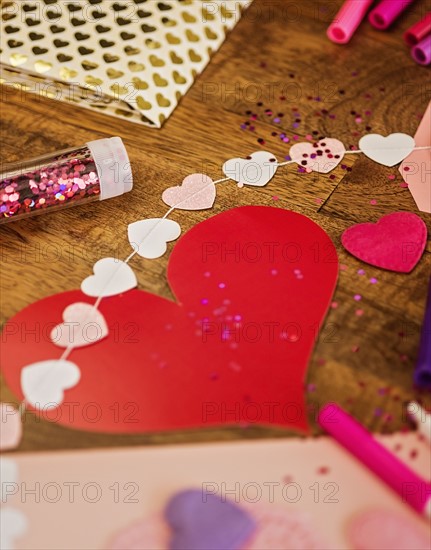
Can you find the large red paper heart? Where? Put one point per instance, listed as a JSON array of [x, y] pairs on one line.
[[396, 242], [252, 284]]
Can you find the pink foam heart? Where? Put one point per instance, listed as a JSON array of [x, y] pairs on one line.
[[197, 192], [11, 427], [396, 242], [321, 156]]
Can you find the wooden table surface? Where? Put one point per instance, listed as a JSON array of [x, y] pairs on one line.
[[279, 49]]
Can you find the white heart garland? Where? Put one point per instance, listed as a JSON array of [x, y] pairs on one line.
[[44, 383]]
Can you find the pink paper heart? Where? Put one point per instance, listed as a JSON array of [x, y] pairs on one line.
[[321, 156], [83, 325], [197, 192], [396, 242], [11, 427]]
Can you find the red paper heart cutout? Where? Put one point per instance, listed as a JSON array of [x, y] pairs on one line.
[[253, 285], [396, 242]]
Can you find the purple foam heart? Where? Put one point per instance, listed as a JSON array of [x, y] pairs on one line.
[[206, 522]]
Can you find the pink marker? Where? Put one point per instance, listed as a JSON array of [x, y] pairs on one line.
[[385, 13], [418, 31], [347, 20], [356, 439], [421, 53]]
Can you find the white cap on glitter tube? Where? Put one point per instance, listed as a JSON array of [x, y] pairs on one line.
[[113, 166]]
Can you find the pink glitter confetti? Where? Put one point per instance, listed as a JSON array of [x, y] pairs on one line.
[[373, 281], [373, 201], [65, 179], [361, 272], [357, 297], [334, 305], [359, 312]]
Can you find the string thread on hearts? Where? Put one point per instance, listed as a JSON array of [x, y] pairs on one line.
[[263, 167]]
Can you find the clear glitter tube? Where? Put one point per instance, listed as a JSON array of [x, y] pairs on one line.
[[98, 170]]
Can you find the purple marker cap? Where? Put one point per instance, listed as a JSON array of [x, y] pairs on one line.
[[422, 375], [421, 53]]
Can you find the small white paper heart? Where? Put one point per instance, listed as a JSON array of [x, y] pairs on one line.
[[389, 150], [111, 277], [83, 325], [9, 475], [197, 192], [150, 237], [10, 427], [14, 525], [43, 383], [256, 170]]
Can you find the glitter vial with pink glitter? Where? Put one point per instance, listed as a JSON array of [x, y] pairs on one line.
[[98, 170]]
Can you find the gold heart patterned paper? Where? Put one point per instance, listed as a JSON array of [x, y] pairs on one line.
[[133, 59]]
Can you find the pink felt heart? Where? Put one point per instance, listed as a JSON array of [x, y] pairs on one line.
[[396, 242], [197, 192], [11, 427], [321, 156]]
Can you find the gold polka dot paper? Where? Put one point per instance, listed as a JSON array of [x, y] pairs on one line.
[[131, 59]]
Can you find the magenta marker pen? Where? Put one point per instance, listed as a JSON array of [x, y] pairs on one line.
[[98, 170], [347, 431]]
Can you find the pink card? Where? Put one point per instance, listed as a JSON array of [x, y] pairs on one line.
[[416, 168], [301, 494]]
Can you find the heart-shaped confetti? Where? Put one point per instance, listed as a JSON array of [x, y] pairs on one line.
[[83, 325], [321, 156], [197, 192], [396, 242], [111, 277], [207, 522], [149, 238], [43, 383], [389, 150], [256, 170], [11, 427]]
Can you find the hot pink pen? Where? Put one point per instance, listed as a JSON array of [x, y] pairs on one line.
[[360, 442], [347, 20], [385, 13]]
